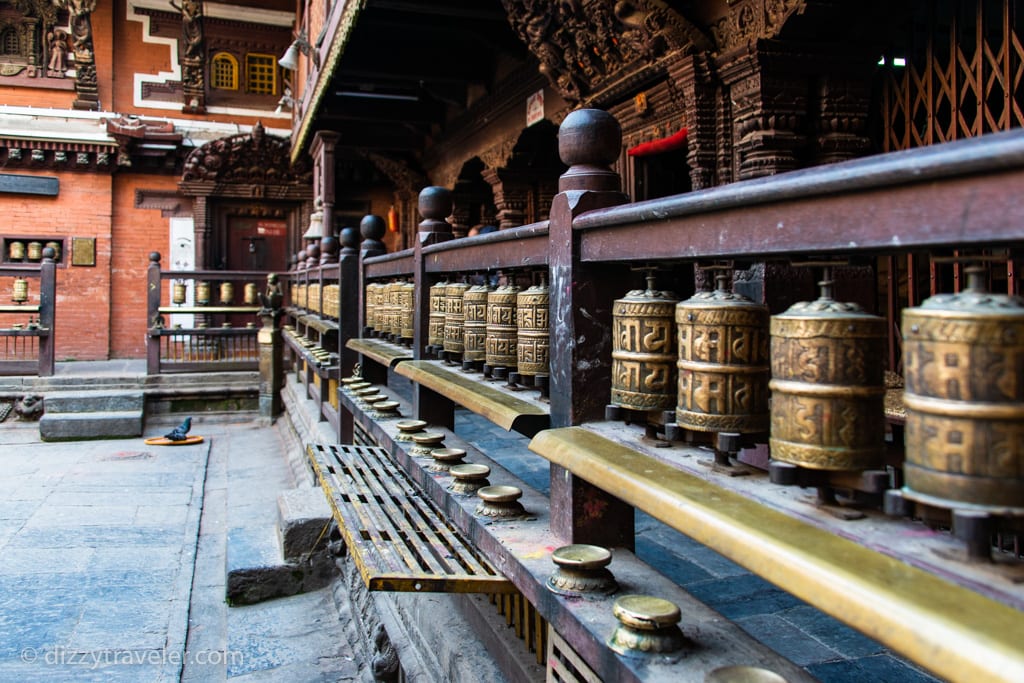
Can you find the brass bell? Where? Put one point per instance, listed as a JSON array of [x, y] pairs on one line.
[[644, 349], [532, 330], [827, 385], [963, 358], [723, 362]]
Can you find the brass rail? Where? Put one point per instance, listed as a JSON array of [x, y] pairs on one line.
[[951, 630], [503, 408]]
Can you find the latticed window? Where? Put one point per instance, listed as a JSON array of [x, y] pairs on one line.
[[957, 74], [261, 74], [9, 42], [224, 72]]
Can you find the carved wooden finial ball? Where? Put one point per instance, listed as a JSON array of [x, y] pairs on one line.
[[590, 137], [328, 244], [313, 250], [49, 253], [435, 202], [154, 257], [372, 227], [349, 238]]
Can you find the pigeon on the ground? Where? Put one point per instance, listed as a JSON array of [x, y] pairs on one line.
[[180, 432]]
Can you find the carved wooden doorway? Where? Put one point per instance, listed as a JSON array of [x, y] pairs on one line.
[[253, 237], [249, 202]]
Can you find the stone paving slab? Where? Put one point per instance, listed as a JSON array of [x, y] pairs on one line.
[[98, 541]]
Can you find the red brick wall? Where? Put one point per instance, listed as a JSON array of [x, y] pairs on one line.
[[80, 209], [137, 232]]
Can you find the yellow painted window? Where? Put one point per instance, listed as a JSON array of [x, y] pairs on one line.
[[224, 72], [261, 74]]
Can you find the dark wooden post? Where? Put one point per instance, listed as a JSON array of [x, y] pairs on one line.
[[349, 325], [271, 351], [589, 140], [435, 204], [47, 304], [153, 293]]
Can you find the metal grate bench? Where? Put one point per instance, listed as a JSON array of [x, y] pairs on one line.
[[398, 540]]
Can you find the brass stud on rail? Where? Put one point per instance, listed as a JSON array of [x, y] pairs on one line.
[[445, 458], [469, 478], [500, 502], [407, 428], [426, 442], [581, 571], [647, 625], [383, 410]]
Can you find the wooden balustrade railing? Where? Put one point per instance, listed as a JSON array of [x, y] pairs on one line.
[[202, 320], [896, 228], [27, 322]]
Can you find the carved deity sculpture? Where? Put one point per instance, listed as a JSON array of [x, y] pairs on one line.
[[58, 46]]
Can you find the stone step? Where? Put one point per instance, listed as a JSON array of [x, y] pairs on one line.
[[90, 425], [303, 517], [257, 571], [93, 401]]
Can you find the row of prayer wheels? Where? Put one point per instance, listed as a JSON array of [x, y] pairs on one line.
[[179, 293], [501, 330], [813, 378]]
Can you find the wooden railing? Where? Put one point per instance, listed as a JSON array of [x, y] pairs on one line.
[[26, 326], [202, 320], [894, 229]]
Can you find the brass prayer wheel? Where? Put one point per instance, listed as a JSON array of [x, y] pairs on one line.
[[644, 350], [249, 294], [16, 251], [533, 333], [502, 330], [963, 358], [406, 313], [56, 249], [723, 362], [435, 321], [202, 292], [19, 295], [178, 293], [373, 306], [454, 318], [227, 293], [828, 385], [392, 308], [35, 251], [474, 325]]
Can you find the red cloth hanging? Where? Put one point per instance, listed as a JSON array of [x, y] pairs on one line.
[[674, 141]]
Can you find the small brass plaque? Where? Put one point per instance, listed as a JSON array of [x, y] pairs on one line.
[[83, 251]]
